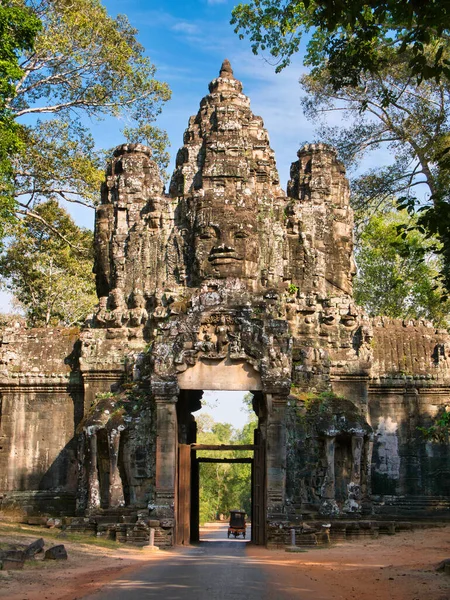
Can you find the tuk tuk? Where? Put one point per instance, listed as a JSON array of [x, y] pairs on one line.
[[237, 524]]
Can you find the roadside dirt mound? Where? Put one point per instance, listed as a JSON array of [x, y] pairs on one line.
[[88, 566], [398, 567]]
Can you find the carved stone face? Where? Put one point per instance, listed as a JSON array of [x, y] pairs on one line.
[[226, 244]]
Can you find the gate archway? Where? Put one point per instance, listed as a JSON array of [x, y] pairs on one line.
[[188, 486], [218, 375]]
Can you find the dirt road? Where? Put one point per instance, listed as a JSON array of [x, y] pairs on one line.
[[399, 567], [389, 568], [217, 569]]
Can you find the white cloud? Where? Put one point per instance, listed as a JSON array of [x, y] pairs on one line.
[[164, 20], [186, 27]]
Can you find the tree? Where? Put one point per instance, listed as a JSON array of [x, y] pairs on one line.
[[51, 276], [358, 36], [84, 66], [396, 276], [223, 486], [18, 28], [439, 431]]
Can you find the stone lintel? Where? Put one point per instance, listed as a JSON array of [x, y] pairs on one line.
[[165, 399], [277, 388], [46, 387], [162, 389], [95, 377], [224, 375]]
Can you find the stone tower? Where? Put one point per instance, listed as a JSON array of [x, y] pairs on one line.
[[320, 216], [227, 183]]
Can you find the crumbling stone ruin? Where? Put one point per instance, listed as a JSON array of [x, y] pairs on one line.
[[226, 283]]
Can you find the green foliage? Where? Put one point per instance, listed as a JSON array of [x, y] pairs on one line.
[[18, 28], [60, 162], [313, 401], [87, 62], [51, 276], [440, 430], [84, 66], [224, 486], [104, 395], [352, 33], [396, 274], [292, 289]]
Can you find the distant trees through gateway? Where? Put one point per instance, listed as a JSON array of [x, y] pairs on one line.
[[225, 486]]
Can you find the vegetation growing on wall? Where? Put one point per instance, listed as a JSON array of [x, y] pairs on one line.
[[439, 431]]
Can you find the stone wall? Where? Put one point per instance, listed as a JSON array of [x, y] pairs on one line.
[[226, 276], [410, 384], [41, 405]]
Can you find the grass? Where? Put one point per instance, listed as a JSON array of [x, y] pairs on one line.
[[54, 534]]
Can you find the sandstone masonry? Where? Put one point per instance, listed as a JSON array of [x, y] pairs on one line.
[[226, 282]]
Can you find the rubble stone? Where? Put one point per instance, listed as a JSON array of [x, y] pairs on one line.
[[56, 553]]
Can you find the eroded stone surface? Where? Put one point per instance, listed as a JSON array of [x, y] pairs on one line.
[[226, 282]]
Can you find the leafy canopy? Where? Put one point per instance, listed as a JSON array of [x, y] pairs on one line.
[[84, 66], [396, 275], [439, 431], [50, 276], [352, 33], [18, 28]]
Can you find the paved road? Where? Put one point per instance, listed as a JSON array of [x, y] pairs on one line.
[[215, 532], [216, 569]]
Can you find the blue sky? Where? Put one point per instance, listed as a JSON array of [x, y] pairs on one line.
[[224, 407]]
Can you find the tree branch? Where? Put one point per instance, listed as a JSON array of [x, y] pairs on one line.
[[28, 212]]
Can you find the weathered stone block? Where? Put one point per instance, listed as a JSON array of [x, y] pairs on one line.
[[34, 548], [56, 553]]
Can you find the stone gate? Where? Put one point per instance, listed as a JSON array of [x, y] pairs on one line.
[[225, 282]]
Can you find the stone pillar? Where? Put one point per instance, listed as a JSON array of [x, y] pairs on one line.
[[366, 471], [276, 456], [93, 500], [329, 506], [357, 449], [353, 502], [166, 455], [82, 485], [328, 488], [116, 497]]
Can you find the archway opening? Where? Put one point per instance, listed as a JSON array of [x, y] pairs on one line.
[[219, 463], [226, 418]]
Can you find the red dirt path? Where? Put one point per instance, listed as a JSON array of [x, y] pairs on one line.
[[400, 567]]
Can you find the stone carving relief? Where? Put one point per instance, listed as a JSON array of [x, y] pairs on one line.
[[227, 270], [226, 243]]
